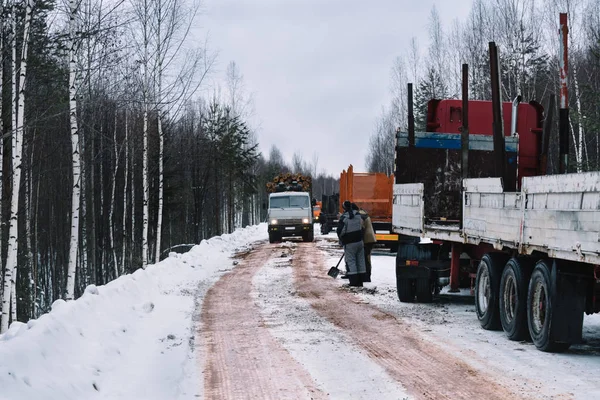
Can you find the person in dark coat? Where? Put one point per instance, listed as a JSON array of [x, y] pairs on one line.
[[350, 231], [369, 239]]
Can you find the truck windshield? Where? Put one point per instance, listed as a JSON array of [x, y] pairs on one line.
[[290, 202]]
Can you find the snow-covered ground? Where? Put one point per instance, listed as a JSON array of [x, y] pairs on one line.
[[130, 339], [134, 338]]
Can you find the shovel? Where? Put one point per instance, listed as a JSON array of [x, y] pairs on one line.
[[334, 271]]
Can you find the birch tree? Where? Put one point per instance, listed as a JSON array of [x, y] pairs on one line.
[[75, 150], [1, 132], [171, 22], [17, 148]]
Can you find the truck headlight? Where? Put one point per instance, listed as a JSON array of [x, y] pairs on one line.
[[273, 222], [305, 220]]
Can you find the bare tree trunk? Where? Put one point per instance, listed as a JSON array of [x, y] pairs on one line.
[[125, 194], [145, 190], [160, 181], [75, 151], [111, 234], [1, 135], [17, 147], [84, 273], [145, 185], [133, 248], [13, 298], [579, 151], [102, 240], [12, 233], [36, 253], [28, 194]]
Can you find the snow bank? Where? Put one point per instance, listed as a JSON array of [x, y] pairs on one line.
[[129, 339]]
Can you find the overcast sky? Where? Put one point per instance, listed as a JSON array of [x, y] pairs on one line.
[[319, 70]]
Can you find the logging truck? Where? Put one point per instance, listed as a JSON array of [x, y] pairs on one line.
[[474, 185], [290, 210]]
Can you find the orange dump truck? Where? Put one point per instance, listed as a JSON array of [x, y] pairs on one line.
[[373, 193]]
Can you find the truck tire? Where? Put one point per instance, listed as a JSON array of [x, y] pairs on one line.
[[424, 290], [308, 236], [405, 289], [272, 237], [540, 308], [487, 286], [514, 286]]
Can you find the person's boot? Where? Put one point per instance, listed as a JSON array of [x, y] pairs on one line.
[[355, 280]]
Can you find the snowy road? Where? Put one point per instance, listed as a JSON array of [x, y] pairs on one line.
[[238, 318], [376, 354]]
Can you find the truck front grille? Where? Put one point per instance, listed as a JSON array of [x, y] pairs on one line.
[[292, 221]]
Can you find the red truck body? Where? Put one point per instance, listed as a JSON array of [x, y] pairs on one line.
[[445, 116]]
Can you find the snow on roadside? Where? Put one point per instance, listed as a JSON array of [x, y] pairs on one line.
[[130, 339], [452, 323], [337, 366]]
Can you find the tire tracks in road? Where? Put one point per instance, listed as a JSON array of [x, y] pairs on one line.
[[425, 369], [243, 360]]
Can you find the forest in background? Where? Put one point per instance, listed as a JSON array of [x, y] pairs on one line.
[[116, 150], [527, 35]]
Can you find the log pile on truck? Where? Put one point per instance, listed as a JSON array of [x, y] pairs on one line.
[[289, 182], [481, 196]]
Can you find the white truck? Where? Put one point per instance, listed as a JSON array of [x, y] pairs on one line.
[[290, 210]]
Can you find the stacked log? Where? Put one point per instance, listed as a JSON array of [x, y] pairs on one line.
[[289, 182]]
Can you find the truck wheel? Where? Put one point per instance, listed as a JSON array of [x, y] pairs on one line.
[[405, 289], [540, 308], [513, 298], [487, 285], [272, 237], [425, 288], [308, 237]]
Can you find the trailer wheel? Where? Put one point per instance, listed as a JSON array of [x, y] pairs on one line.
[[540, 308], [487, 286], [513, 298], [405, 289], [425, 289]]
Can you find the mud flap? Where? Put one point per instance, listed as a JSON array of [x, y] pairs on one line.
[[569, 296]]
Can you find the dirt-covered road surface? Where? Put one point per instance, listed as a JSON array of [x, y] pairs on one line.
[[277, 327]]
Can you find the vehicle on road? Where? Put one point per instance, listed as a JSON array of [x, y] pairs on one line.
[[371, 191], [527, 243], [290, 210]]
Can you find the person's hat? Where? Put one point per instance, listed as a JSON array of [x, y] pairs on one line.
[[347, 205], [354, 206]]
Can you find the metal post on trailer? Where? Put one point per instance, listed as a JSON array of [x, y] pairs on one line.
[[498, 129], [563, 113], [546, 130], [411, 118], [464, 135]]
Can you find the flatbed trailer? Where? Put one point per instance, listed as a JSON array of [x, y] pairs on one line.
[[542, 242]]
